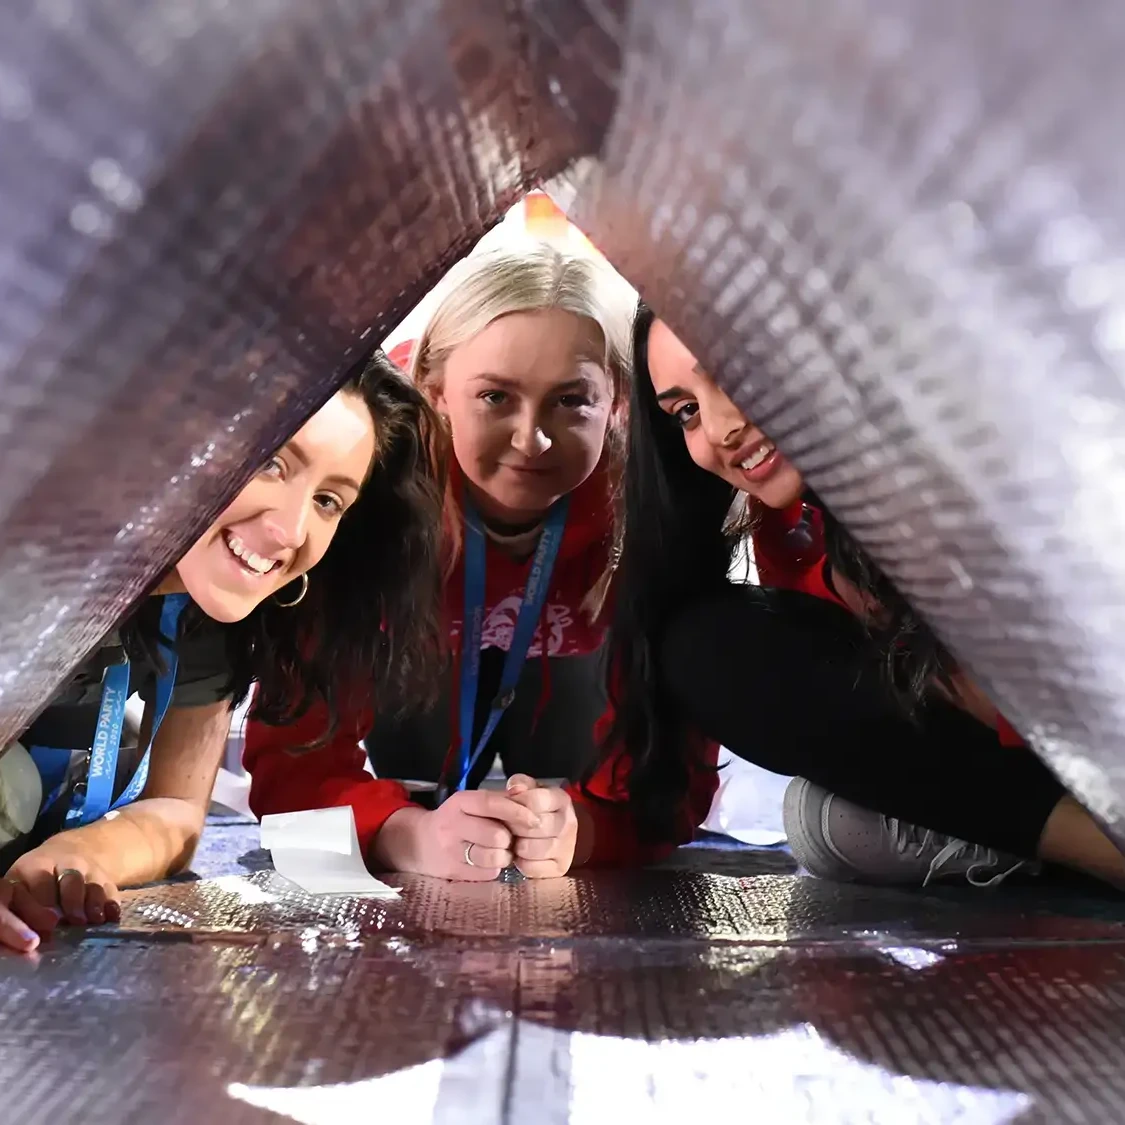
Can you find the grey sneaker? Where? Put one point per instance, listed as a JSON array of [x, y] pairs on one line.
[[834, 839]]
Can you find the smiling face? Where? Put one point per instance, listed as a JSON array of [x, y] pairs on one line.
[[528, 400], [718, 435], [281, 524]]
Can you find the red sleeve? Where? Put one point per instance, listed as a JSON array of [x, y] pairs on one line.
[[617, 842], [282, 780], [778, 559], [1007, 733]]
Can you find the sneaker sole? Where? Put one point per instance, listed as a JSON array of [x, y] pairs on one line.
[[805, 839]]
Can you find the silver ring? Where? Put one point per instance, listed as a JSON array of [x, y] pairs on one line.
[[469, 858], [61, 875]]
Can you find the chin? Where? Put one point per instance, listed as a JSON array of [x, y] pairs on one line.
[[523, 499], [531, 496], [784, 489], [226, 609]]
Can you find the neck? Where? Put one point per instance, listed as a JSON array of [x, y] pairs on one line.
[[169, 584]]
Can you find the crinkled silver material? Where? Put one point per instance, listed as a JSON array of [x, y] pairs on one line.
[[894, 230], [208, 210], [642, 906], [892, 227], [652, 997]]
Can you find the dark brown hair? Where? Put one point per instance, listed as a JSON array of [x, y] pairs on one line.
[[371, 623]]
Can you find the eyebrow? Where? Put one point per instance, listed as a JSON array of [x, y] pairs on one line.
[[673, 392], [579, 383], [338, 478]]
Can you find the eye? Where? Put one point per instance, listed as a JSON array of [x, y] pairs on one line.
[[684, 414], [494, 398], [574, 401], [274, 467], [330, 504]]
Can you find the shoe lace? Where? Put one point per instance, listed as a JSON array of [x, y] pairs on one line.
[[913, 838]]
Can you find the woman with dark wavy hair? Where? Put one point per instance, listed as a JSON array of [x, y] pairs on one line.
[[321, 575], [905, 770]]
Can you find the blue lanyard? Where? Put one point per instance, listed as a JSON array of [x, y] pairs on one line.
[[106, 749], [534, 595]]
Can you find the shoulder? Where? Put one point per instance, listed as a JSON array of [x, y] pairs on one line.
[[203, 666], [202, 643]]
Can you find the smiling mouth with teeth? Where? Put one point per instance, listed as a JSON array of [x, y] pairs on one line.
[[249, 560], [758, 456]]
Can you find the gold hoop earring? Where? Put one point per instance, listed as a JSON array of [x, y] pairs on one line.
[[299, 598]]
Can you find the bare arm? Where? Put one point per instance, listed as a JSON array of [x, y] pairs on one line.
[[157, 834], [154, 837]]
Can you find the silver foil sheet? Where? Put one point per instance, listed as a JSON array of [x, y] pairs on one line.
[[209, 210], [642, 906], [894, 231], [278, 1012]]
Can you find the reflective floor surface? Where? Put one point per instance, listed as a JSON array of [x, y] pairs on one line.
[[720, 987]]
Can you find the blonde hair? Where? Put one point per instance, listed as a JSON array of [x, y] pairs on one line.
[[534, 278], [496, 283]]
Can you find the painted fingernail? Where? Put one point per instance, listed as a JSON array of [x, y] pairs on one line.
[[30, 936]]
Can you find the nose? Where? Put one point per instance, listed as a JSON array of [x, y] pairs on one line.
[[288, 522], [530, 438], [723, 423]]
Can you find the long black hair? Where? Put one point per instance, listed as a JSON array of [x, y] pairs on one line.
[[676, 545], [682, 529], [913, 659], [370, 624]]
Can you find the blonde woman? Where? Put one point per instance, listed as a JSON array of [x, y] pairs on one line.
[[524, 360]]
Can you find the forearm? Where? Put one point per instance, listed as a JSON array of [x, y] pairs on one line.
[[395, 845], [148, 840]]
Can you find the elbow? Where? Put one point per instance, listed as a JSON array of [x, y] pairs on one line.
[[183, 825], [181, 862]]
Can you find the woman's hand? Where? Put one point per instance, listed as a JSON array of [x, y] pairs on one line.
[[468, 837], [546, 852], [22, 919], [62, 877]]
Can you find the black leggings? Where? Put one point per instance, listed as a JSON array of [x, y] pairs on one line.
[[789, 682], [553, 740]]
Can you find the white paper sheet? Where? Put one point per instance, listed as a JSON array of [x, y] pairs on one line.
[[747, 805], [319, 851]]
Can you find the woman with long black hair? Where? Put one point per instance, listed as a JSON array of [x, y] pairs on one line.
[[321, 576], [906, 771]]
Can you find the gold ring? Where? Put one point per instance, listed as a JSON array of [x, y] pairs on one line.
[[469, 858]]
